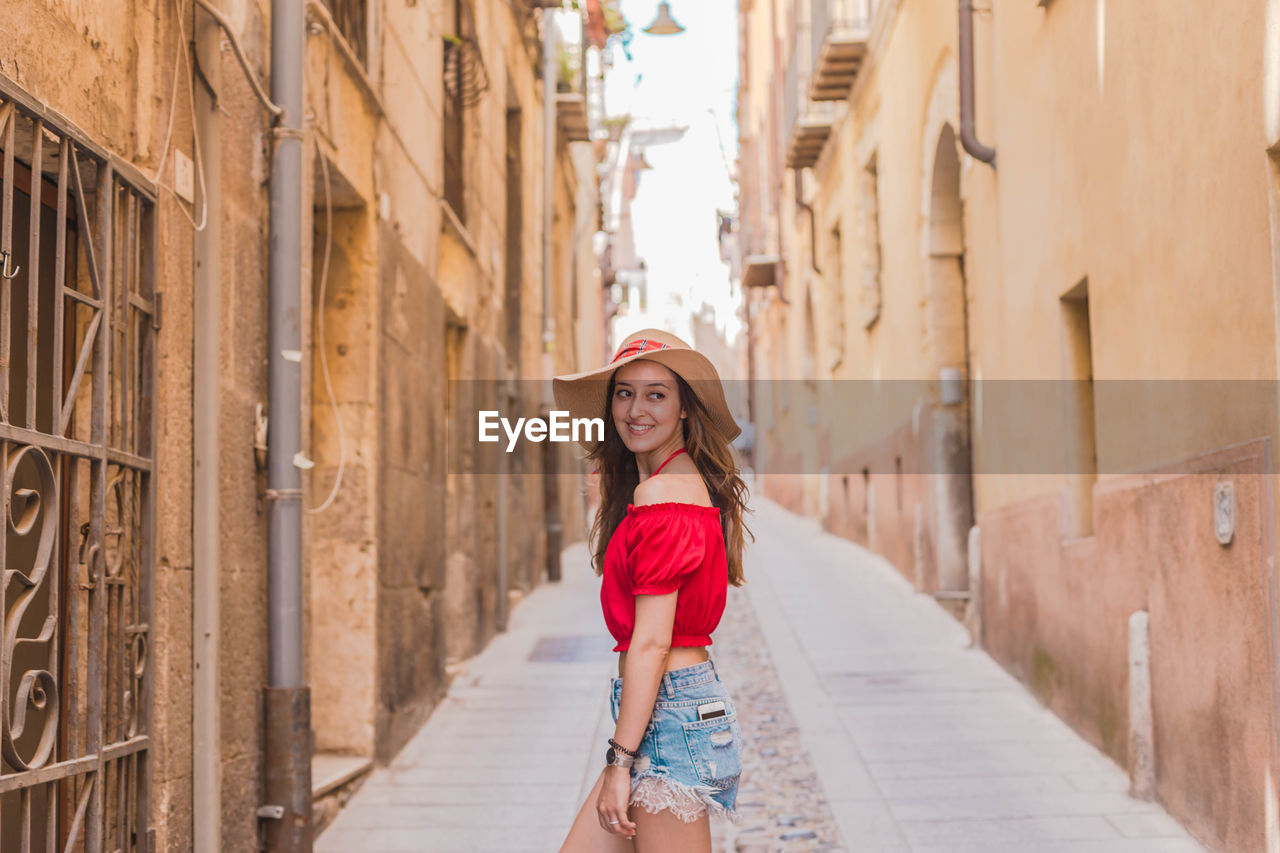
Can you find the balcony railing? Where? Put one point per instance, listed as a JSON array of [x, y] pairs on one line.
[[808, 122], [571, 93], [840, 29]]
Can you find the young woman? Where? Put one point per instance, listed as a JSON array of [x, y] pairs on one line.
[[667, 540]]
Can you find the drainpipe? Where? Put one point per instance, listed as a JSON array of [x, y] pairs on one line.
[[551, 493], [968, 137], [206, 735], [287, 811], [548, 190]]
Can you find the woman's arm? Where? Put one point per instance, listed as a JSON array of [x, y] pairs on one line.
[[642, 673], [646, 661]]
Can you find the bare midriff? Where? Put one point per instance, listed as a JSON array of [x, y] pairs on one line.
[[677, 658]]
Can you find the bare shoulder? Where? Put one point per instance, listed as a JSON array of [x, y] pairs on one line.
[[682, 485]]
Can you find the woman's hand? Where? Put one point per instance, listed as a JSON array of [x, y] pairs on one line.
[[615, 792]]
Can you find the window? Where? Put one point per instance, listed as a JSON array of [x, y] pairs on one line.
[[465, 81], [869, 201], [350, 16], [454, 120], [835, 281], [514, 266], [78, 311]]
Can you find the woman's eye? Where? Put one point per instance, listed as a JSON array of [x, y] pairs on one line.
[[657, 395]]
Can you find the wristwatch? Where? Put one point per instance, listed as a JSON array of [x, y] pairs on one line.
[[613, 758]]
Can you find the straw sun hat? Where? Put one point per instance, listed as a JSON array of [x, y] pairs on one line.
[[583, 395]]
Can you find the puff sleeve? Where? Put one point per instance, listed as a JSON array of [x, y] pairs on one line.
[[664, 547]]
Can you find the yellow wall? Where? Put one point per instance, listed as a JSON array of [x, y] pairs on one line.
[[1143, 171]]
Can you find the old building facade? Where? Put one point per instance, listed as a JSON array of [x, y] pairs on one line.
[[1040, 339], [135, 348]]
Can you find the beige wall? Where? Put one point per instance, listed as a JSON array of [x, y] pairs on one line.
[[402, 566], [120, 99], [1129, 159]]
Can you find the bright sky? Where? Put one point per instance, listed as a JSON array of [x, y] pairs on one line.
[[687, 80]]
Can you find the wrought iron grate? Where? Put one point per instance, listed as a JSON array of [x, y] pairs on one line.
[[77, 321]]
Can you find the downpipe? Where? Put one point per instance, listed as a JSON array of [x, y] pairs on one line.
[[206, 702], [287, 699], [968, 136], [551, 496]]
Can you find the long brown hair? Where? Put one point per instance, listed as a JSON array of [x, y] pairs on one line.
[[711, 454]]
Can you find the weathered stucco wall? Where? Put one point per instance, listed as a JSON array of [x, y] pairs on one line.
[[121, 99], [1056, 613], [1125, 174], [385, 604], [429, 302]]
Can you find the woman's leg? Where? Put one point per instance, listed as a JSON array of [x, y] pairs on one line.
[[587, 836], [665, 833]]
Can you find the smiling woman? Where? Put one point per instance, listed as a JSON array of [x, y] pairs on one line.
[[667, 542]]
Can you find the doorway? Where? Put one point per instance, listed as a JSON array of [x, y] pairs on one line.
[[947, 326]]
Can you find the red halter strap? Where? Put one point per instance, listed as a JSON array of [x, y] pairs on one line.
[[668, 459]]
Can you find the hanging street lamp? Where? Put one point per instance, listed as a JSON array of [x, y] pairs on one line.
[[664, 24]]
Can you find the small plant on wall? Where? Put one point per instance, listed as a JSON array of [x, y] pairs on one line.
[[569, 69]]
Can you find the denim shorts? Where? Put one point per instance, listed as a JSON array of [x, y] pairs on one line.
[[686, 765]]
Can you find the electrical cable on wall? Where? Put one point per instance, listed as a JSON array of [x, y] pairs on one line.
[[324, 359], [178, 56], [191, 99], [173, 103]]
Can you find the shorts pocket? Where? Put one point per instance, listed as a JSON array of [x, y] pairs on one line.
[[715, 749]]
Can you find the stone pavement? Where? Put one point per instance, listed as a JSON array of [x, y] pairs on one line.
[[503, 758], [870, 725], [922, 743]]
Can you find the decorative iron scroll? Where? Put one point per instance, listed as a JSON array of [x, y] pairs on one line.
[[37, 688]]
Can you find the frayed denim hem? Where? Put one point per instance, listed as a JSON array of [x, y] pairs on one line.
[[654, 792]]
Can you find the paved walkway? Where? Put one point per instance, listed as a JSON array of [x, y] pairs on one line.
[[918, 742]]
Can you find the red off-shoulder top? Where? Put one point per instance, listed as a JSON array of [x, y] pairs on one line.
[[658, 549]]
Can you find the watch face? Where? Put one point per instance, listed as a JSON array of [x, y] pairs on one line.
[[610, 755]]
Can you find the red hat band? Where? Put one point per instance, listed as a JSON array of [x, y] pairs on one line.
[[637, 347]]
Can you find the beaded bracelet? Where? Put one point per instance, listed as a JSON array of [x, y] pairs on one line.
[[613, 743]]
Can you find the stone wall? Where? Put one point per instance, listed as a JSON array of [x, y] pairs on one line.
[[1080, 257], [120, 97], [402, 565], [1055, 612]]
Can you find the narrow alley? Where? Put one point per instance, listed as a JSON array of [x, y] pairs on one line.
[[894, 735], [980, 299]]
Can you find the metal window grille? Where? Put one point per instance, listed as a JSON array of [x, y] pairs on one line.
[[350, 16], [465, 82], [454, 132], [78, 311]]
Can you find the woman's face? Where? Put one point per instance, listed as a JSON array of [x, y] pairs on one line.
[[646, 405]]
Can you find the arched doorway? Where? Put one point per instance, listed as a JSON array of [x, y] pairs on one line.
[[946, 326]]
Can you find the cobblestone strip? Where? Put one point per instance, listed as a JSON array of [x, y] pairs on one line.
[[780, 799]]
